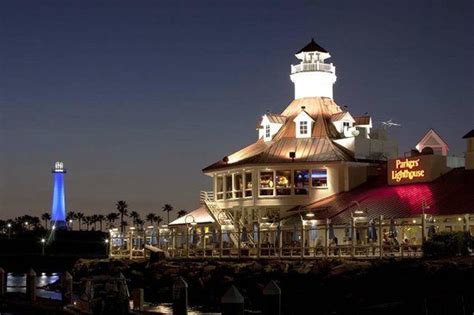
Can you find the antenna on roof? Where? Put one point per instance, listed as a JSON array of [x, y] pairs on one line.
[[389, 123]]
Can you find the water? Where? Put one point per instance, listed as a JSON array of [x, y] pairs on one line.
[[17, 283]]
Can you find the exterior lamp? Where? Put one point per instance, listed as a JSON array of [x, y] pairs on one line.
[[43, 241], [459, 219], [106, 241], [310, 214], [9, 225], [414, 221], [53, 227]]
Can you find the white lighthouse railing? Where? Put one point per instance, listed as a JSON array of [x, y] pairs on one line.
[[317, 66]]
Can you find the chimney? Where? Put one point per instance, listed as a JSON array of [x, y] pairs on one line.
[[469, 150]]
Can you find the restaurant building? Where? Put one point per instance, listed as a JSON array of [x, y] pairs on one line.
[[318, 176]]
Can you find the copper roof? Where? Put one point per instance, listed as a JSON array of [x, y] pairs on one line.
[[318, 148], [275, 118], [450, 194], [338, 116], [362, 120]]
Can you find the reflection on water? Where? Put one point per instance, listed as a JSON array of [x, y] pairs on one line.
[[17, 283], [167, 308]]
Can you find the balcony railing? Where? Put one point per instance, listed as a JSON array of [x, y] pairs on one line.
[[318, 66]]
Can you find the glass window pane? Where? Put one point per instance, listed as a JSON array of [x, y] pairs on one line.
[[220, 184], [301, 182], [228, 186], [248, 184], [238, 182], [319, 178], [266, 183], [283, 182]]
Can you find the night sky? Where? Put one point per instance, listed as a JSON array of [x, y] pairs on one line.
[[136, 97]]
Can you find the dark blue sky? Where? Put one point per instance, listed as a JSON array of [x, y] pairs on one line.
[[136, 97]]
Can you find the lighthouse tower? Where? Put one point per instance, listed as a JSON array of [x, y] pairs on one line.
[[58, 210], [313, 77]]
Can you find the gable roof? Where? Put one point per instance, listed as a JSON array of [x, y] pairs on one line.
[[362, 120], [275, 118], [468, 135], [312, 46], [320, 147], [341, 116], [432, 138]]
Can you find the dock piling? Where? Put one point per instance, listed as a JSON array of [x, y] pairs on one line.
[[3, 281], [232, 302], [31, 285], [271, 299], [180, 297], [66, 288]]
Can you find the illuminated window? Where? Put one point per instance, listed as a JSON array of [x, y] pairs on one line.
[[267, 131], [319, 178], [228, 186], [248, 185], [220, 187], [238, 185], [303, 127], [301, 182], [267, 184], [283, 183]]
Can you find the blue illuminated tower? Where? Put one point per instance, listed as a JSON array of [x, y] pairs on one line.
[[58, 210]]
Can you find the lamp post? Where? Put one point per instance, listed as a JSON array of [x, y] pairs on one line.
[[9, 226], [106, 242], [26, 225], [71, 224], [43, 242], [192, 223]]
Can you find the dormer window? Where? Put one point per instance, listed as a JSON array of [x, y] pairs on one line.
[[304, 124], [346, 124], [303, 127], [270, 125]]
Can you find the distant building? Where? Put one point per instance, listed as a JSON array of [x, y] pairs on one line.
[[58, 209]]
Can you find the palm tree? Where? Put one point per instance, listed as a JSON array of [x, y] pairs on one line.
[[88, 221], [122, 208], [182, 213], [168, 208], [135, 217], [46, 217], [100, 218], [80, 216], [111, 217], [71, 216], [94, 220], [140, 223], [158, 220], [150, 217]]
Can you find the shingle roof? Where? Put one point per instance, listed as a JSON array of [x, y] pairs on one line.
[[318, 148], [468, 135], [450, 194], [312, 46]]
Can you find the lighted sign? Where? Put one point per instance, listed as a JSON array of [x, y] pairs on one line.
[[407, 169]]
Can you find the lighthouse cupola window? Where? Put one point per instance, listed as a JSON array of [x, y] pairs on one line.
[[267, 131]]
